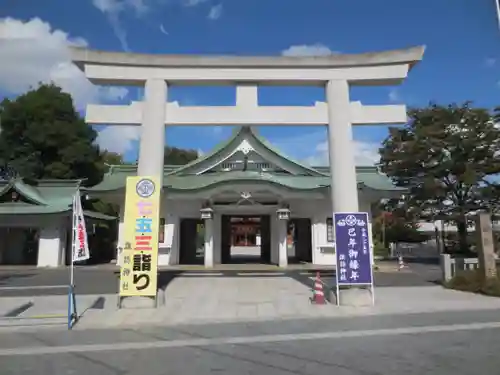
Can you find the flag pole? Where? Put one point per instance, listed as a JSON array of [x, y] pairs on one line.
[[80, 252], [71, 292], [73, 242]]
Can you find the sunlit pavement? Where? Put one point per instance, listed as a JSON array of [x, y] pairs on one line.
[[440, 343]]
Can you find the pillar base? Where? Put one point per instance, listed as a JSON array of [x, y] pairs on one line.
[[355, 296], [138, 302]]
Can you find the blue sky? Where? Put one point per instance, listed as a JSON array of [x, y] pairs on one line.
[[462, 60]]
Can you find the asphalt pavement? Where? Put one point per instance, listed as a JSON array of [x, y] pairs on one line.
[[440, 343], [104, 280]]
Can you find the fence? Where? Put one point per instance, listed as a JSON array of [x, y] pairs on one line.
[[451, 266], [428, 249]]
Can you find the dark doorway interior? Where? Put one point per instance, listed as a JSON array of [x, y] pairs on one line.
[[192, 241], [300, 238], [19, 246]]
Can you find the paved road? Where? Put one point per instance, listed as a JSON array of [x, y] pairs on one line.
[[456, 343], [37, 282]]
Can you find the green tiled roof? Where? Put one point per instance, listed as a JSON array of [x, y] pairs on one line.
[[367, 177], [39, 197], [262, 146], [191, 177]]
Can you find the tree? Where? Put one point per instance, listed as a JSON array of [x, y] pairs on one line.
[[395, 222], [44, 137], [445, 156], [178, 156], [111, 158]]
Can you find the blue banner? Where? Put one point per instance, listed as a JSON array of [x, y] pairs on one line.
[[352, 248]]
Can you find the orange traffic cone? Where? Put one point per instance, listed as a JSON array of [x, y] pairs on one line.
[[318, 297]]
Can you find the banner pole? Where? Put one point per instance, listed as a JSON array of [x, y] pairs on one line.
[[336, 261], [71, 271], [73, 243], [372, 261]]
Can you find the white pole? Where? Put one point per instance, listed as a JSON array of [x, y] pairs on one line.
[[73, 241]]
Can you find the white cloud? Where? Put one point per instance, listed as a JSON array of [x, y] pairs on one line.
[[118, 138], [114, 92], [394, 95], [215, 12], [312, 149], [32, 52], [113, 10], [316, 49], [365, 154], [490, 61], [162, 30], [192, 3]]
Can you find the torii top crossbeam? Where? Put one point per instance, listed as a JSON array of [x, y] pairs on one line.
[[383, 68]]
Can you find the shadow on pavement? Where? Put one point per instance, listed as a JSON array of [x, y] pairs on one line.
[[10, 277]]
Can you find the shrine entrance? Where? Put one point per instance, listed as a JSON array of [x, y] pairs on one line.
[[245, 239], [299, 240], [192, 244]]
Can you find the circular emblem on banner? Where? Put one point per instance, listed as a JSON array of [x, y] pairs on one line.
[[145, 188], [350, 220]]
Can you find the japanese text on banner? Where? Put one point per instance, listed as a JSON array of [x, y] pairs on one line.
[[352, 248], [81, 250], [138, 276]]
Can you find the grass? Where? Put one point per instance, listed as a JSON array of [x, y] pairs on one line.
[[472, 281]]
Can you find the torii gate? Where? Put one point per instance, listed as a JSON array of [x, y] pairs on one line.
[[336, 73]]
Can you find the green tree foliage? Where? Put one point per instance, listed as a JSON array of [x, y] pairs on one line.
[[445, 156], [179, 156], [44, 137], [395, 222], [111, 158]]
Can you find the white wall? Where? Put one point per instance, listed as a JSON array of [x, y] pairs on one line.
[[52, 236], [319, 212], [172, 211], [52, 245]]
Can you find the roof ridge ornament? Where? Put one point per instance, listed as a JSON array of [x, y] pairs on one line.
[[245, 147]]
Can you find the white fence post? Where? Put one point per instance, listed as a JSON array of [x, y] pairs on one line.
[[446, 267]]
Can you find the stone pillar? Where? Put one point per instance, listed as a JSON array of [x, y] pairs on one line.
[[282, 245], [152, 142], [274, 256], [485, 246], [209, 243], [344, 187], [151, 149], [121, 233], [217, 234]]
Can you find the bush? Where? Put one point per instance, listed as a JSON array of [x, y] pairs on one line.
[[472, 281]]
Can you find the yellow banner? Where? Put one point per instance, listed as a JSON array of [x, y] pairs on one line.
[[139, 266]]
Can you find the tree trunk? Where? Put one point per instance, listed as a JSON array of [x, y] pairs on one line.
[[463, 247]]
